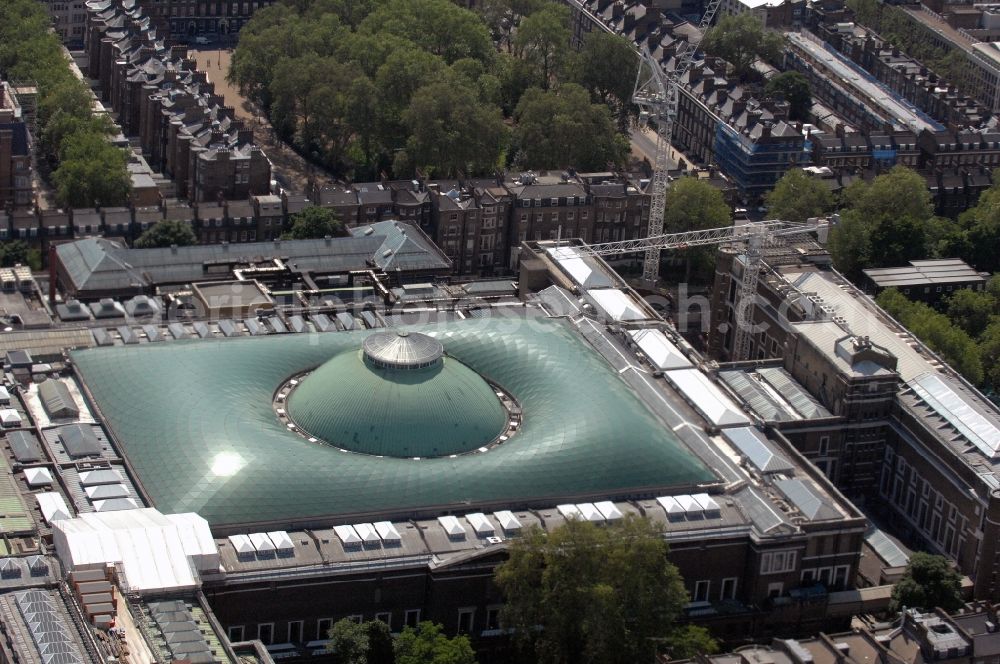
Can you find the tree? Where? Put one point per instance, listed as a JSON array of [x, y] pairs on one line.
[[740, 40], [167, 233], [18, 252], [313, 223], [935, 330], [607, 67], [427, 644], [797, 197], [360, 643], [583, 593], [91, 172], [690, 640], [692, 205], [451, 131], [850, 246], [348, 642], [550, 127], [929, 582], [886, 223], [794, 88], [971, 310], [543, 40], [989, 351]]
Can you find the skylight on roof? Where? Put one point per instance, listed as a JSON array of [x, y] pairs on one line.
[[953, 408]]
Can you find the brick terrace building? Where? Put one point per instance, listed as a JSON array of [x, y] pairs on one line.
[[170, 108], [15, 151]]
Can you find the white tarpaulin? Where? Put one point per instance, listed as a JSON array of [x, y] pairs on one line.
[[53, 507], [617, 304], [157, 552], [451, 526], [659, 350], [508, 521], [699, 391]]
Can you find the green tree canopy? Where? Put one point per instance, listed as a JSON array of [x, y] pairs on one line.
[[451, 131], [692, 205], [91, 172], [314, 223], [607, 66], [798, 196], [928, 583], [886, 222], [19, 252], [551, 124], [87, 170], [427, 644], [543, 40], [741, 39], [599, 594], [934, 329], [794, 88], [167, 233], [351, 642], [971, 310]]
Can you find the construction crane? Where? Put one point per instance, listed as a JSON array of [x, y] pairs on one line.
[[657, 94], [750, 238]]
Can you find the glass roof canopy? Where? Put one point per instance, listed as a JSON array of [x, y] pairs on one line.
[[195, 419]]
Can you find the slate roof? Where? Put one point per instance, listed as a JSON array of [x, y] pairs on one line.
[[95, 264]]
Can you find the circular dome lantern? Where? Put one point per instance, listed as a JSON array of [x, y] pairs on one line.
[[399, 396], [402, 350]]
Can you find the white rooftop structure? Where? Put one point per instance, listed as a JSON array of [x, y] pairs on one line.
[[53, 507], [387, 532], [671, 507], [958, 412], [367, 533], [158, 552], [589, 512], [262, 543], [96, 477], [36, 477], [10, 418], [480, 524], [706, 397], [451, 526], [618, 305], [584, 270], [608, 510], [569, 511], [282, 542], [242, 545], [659, 350], [348, 536], [508, 521]]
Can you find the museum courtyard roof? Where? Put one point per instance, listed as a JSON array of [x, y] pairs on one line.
[[202, 423]]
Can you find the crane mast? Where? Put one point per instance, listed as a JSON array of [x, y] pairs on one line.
[[656, 94]]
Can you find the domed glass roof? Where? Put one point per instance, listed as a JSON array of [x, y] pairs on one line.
[[399, 397]]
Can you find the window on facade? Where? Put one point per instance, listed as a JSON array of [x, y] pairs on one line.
[[728, 588], [265, 632], [701, 589], [492, 618], [411, 618], [775, 562], [323, 627], [465, 620], [235, 633], [295, 631]]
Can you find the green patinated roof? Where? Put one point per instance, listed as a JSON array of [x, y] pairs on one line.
[[435, 411], [196, 421]]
